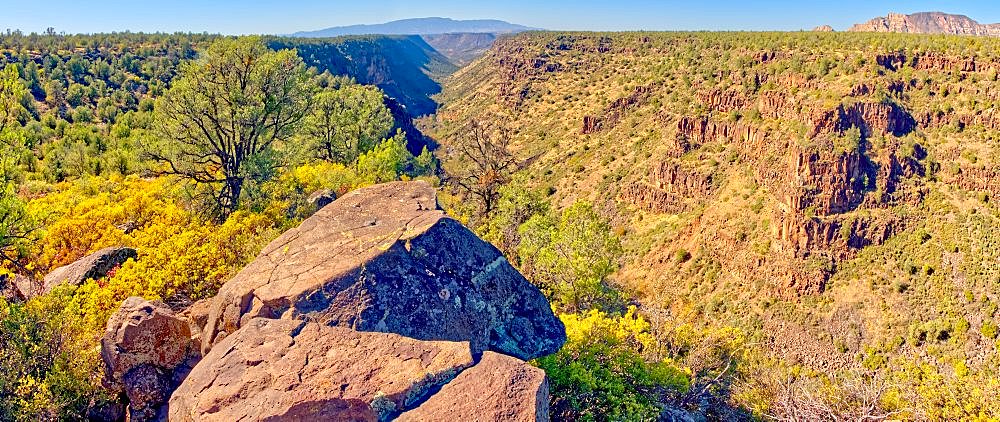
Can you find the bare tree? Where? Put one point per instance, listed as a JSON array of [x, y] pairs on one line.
[[488, 162], [856, 399]]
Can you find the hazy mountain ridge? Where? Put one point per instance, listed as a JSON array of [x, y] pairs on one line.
[[419, 26], [927, 23]]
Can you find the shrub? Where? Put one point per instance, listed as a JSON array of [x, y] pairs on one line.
[[600, 374]]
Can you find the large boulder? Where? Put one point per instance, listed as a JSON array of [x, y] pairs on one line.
[[147, 351], [387, 259], [498, 388], [288, 370], [95, 265]]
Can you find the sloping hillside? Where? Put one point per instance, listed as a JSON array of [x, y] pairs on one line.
[[405, 67], [831, 195]]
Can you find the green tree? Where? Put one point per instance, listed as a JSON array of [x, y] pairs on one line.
[[516, 205], [234, 104], [346, 122], [12, 93], [571, 257], [386, 162]]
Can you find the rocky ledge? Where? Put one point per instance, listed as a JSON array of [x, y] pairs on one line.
[[377, 307]]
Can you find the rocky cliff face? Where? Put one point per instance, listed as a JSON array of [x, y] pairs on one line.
[[786, 131], [378, 306], [615, 111], [927, 23], [405, 67]]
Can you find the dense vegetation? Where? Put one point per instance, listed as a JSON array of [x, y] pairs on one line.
[[737, 226], [98, 150], [825, 200]]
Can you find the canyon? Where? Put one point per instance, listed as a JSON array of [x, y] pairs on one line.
[[762, 184]]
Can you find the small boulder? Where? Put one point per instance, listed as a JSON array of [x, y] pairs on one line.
[[146, 351], [196, 316], [95, 265], [147, 388], [387, 259], [9, 290], [499, 388], [322, 198], [16, 287], [288, 370]]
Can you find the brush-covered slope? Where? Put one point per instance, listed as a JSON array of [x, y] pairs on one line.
[[831, 194]]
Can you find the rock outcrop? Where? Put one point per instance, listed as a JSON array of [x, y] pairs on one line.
[[196, 316], [95, 265], [823, 28], [287, 370], [614, 112], [978, 179], [322, 198], [147, 352], [869, 117], [16, 287], [670, 184], [498, 388], [387, 259], [377, 307], [9, 291], [927, 23]]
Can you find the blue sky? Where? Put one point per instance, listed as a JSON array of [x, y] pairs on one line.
[[269, 16]]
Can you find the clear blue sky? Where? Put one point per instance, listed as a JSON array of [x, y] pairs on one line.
[[285, 16]]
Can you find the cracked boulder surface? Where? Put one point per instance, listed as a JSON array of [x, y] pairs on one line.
[[387, 259], [498, 388], [288, 370]]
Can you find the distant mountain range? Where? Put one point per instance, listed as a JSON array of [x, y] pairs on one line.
[[420, 26], [927, 23]]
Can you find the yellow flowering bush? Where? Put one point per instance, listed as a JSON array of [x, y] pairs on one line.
[[601, 373]]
